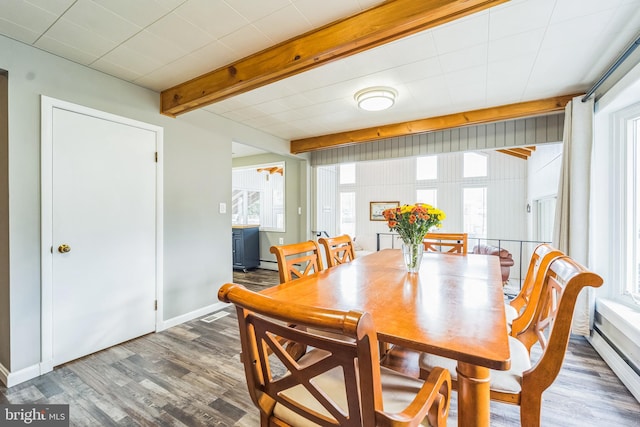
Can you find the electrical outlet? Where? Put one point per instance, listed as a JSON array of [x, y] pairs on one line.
[[223, 208], [281, 241]]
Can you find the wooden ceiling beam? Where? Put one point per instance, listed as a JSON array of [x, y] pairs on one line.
[[379, 25], [475, 117], [521, 151], [514, 154]]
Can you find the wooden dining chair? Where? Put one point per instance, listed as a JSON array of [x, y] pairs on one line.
[[338, 249], [525, 382], [338, 383], [520, 310], [451, 243], [297, 260]]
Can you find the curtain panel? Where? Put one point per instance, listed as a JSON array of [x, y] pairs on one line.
[[571, 225]]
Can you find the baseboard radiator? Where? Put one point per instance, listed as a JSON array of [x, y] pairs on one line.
[[625, 369]]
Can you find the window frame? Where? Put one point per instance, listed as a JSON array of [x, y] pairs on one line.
[[281, 164], [625, 193], [486, 209]]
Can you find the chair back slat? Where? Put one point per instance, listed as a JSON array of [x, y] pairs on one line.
[[267, 336], [338, 250], [297, 260], [551, 325], [451, 243], [527, 299]]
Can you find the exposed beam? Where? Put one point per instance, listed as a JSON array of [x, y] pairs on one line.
[[381, 24], [475, 117], [507, 152], [519, 152]]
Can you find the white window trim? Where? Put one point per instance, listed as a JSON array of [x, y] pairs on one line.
[[622, 162]]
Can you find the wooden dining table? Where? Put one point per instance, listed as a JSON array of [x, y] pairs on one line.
[[453, 307]]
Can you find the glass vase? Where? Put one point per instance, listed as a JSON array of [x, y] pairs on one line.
[[412, 253]]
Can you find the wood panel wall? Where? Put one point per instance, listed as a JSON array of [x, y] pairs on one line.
[[510, 133]]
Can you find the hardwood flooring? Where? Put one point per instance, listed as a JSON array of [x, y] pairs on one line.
[[191, 375]]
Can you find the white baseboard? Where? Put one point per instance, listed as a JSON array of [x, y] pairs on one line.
[[269, 265], [628, 376], [9, 379], [190, 316]]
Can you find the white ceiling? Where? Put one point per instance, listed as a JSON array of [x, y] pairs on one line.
[[519, 51]]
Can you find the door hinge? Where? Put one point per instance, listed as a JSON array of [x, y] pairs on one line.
[[156, 157], [155, 305]]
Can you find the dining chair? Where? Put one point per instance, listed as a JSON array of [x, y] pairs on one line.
[[525, 382], [297, 260], [452, 243], [340, 381], [338, 249], [520, 310]]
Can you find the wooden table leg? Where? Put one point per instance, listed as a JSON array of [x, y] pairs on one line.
[[473, 395]]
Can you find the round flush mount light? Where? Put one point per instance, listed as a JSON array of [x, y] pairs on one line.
[[376, 98]]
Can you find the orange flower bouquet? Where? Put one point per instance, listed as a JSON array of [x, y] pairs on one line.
[[412, 222]]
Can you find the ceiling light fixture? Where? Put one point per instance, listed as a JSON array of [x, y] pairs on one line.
[[376, 98]]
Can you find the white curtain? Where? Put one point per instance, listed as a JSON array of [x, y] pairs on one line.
[[571, 226]]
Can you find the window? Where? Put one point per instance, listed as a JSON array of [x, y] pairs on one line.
[[348, 213], [428, 196], [631, 286], [258, 196], [545, 210], [475, 164], [623, 210], [427, 168], [475, 211]]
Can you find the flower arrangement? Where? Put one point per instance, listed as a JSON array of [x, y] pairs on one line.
[[412, 222]]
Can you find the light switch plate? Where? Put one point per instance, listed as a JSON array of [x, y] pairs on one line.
[[223, 208], [281, 241]]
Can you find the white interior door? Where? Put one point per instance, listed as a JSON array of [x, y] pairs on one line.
[[103, 233]]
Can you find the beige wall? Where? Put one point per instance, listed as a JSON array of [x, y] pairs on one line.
[[296, 225], [197, 177]]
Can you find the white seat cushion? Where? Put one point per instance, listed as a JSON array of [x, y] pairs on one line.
[[510, 312], [398, 391], [504, 381]]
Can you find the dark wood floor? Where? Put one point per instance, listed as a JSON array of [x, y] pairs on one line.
[[190, 375]]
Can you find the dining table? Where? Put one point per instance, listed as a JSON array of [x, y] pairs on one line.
[[452, 307]]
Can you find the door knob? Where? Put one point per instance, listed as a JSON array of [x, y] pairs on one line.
[[63, 249]]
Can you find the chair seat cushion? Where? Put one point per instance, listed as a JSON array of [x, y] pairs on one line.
[[510, 312], [398, 391], [503, 381]]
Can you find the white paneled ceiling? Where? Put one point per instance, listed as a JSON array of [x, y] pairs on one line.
[[519, 51]]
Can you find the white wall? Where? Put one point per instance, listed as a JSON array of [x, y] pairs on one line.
[[395, 180], [197, 177]]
